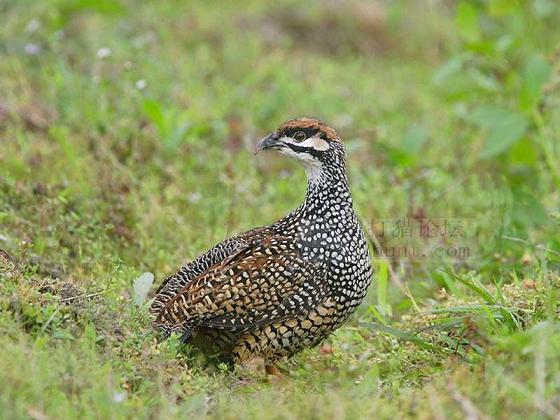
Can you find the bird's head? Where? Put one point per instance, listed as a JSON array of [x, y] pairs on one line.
[[309, 140]]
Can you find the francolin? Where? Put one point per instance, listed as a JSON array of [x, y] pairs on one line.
[[275, 290]]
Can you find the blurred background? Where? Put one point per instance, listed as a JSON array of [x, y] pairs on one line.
[[126, 138]]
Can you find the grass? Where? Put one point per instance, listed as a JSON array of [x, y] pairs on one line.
[[126, 131]]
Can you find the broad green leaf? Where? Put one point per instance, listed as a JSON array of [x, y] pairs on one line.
[[504, 127], [524, 152], [153, 111], [536, 74], [466, 18]]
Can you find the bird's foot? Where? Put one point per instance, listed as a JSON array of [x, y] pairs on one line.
[[273, 370], [254, 366], [259, 369]]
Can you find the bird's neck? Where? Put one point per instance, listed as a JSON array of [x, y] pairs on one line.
[[327, 190]]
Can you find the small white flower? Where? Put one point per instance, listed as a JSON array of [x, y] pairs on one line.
[[32, 49], [119, 397], [141, 84], [128, 65], [194, 197], [103, 53], [32, 26]]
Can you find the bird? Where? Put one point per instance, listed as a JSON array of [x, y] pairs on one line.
[[275, 290]]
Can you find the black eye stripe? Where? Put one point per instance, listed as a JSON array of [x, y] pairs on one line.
[[300, 149]]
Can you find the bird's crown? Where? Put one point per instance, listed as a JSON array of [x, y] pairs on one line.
[[311, 127]]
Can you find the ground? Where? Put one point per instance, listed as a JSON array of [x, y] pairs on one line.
[[126, 134]]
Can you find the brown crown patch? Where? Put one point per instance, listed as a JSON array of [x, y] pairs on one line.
[[305, 123]]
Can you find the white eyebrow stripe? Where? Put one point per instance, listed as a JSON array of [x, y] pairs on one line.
[[316, 143]]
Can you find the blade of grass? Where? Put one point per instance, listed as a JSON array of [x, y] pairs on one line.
[[382, 287], [476, 287], [401, 335]]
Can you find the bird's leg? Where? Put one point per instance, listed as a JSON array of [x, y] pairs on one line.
[[255, 366], [246, 354], [273, 370]]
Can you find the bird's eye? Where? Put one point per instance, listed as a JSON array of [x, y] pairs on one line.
[[300, 136]]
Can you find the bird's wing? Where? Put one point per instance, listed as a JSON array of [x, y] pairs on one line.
[[262, 283], [172, 284]]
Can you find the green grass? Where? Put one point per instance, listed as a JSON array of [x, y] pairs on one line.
[[126, 135]]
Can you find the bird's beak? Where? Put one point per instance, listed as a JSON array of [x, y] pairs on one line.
[[267, 142]]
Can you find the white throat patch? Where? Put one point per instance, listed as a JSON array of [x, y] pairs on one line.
[[313, 167]]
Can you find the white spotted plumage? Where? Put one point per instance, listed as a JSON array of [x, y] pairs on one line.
[[274, 290]]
